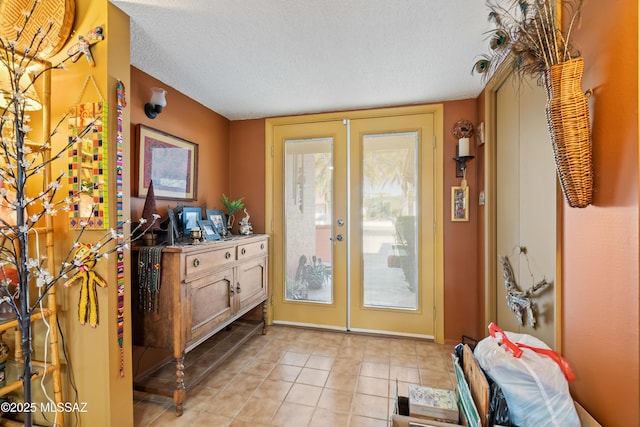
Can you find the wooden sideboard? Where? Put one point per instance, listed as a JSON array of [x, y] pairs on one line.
[[204, 288]]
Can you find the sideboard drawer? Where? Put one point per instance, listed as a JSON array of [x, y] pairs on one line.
[[252, 249], [203, 261]]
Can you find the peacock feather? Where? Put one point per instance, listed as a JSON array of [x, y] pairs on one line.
[[527, 36]]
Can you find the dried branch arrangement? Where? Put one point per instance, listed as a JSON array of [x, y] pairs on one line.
[[528, 39], [528, 36]]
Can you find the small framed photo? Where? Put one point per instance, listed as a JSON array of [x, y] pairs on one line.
[[208, 230], [219, 221], [190, 217], [174, 229], [459, 204]]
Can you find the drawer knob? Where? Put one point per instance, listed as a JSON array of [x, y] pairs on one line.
[[238, 288], [262, 246], [227, 255], [231, 290], [196, 262], [243, 251]]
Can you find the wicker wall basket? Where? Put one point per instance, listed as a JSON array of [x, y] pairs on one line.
[[568, 120]]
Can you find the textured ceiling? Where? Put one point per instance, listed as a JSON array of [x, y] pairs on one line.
[[263, 58]]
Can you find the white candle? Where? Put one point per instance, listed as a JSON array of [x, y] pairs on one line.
[[463, 147]]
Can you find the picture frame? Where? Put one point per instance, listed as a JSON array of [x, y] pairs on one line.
[[190, 217], [218, 219], [176, 234], [208, 230], [167, 160], [460, 203]]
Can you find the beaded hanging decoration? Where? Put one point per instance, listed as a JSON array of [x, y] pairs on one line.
[[122, 103], [149, 278], [87, 168]]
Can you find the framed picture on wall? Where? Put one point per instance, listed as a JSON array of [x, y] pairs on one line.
[[171, 162], [460, 203]]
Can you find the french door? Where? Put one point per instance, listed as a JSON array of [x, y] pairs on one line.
[[355, 205]]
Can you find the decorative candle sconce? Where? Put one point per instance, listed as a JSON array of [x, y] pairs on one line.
[[462, 131]]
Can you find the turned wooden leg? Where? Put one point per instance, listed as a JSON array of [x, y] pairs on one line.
[[264, 318], [180, 392]]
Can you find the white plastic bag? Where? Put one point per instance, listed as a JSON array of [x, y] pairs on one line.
[[533, 384]]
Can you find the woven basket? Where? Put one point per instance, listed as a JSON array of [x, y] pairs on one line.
[[60, 12], [568, 120]]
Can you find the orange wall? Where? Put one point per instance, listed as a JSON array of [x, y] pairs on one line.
[[247, 168], [187, 119], [600, 249], [460, 238]]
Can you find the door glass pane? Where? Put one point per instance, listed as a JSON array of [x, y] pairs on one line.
[[389, 206], [308, 196]]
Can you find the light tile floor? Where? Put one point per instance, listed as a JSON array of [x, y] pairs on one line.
[[301, 377]]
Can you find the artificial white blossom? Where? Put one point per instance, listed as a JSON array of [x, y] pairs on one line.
[[44, 278]]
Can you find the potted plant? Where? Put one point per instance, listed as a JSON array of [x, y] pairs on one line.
[[315, 273], [232, 206]]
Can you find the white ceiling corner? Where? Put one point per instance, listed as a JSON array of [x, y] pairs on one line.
[[263, 58]]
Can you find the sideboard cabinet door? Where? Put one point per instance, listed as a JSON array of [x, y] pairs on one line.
[[210, 303], [251, 285]]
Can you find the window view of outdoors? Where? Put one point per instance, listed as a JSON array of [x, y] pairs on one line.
[[389, 200], [308, 205], [389, 208]]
